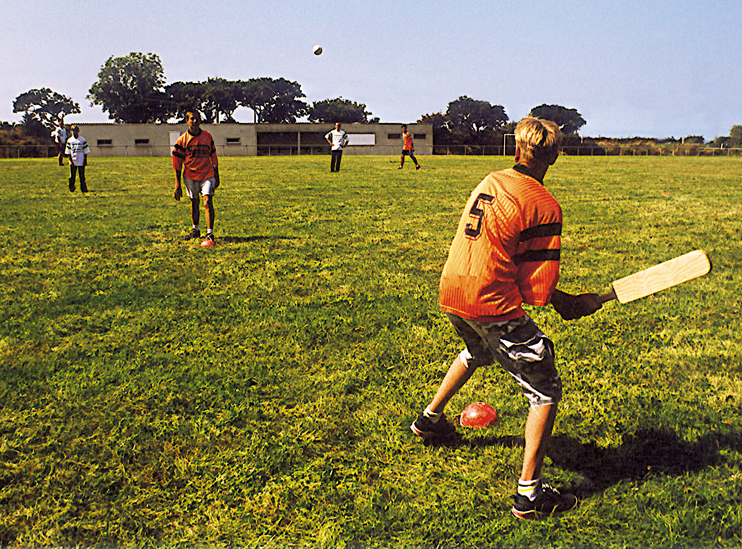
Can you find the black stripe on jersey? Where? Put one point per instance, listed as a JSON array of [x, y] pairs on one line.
[[179, 155], [536, 256], [539, 231]]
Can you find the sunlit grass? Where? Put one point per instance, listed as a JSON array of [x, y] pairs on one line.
[[260, 393]]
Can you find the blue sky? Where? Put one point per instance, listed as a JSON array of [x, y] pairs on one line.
[[632, 68]]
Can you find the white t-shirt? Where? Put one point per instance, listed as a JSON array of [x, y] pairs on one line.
[[78, 148], [339, 139], [60, 136]]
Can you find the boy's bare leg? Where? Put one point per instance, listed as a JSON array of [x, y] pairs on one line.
[[458, 374], [195, 212], [539, 425], [209, 207]]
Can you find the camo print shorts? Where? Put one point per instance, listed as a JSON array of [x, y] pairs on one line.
[[520, 347]]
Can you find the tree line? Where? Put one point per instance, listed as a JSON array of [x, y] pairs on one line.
[[132, 89]]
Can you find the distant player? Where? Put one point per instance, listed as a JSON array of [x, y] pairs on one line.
[[338, 139], [506, 253], [77, 151], [408, 149], [195, 151], [60, 140]]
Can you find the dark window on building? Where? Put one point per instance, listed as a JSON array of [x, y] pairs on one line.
[[141, 141], [419, 136], [394, 136], [233, 140], [105, 142]]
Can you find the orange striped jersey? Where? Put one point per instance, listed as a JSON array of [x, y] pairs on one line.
[[506, 249], [197, 153], [407, 142]]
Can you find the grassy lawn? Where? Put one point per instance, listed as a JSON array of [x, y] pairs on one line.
[[259, 394]]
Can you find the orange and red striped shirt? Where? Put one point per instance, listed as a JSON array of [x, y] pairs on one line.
[[407, 144], [197, 153], [506, 249]]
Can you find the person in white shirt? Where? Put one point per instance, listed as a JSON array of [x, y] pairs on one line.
[[77, 151], [60, 140], [338, 139]]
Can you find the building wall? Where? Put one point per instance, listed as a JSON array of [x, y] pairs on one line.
[[253, 139]]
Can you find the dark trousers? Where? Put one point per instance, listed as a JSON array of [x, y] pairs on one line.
[[60, 154], [73, 171], [411, 154], [337, 156]]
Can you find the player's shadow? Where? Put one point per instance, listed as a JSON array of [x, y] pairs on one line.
[[639, 455], [255, 238]]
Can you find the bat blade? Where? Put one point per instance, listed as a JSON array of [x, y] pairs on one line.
[[659, 277]]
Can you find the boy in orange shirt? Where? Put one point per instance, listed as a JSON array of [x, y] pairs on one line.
[[505, 253], [408, 149], [195, 150]]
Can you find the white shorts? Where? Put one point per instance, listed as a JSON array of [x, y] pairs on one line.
[[205, 187]]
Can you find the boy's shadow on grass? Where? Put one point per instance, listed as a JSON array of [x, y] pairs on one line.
[[255, 238], [640, 454]]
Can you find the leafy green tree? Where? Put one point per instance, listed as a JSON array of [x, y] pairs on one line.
[[568, 120], [272, 101], [222, 98], [735, 137], [185, 97], [216, 99], [131, 89], [338, 110], [474, 121], [42, 109], [441, 127]]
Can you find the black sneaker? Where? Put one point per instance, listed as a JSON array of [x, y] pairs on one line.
[[195, 233], [418, 167], [425, 428], [210, 237], [547, 503]]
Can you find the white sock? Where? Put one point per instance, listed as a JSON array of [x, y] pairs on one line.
[[195, 227], [431, 415], [529, 488]]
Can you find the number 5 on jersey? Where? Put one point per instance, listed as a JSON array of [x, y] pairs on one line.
[[476, 211]]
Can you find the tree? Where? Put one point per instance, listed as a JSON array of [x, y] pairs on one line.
[[43, 109], [216, 99], [131, 89], [475, 121], [185, 97], [441, 127], [735, 137], [338, 110], [222, 97], [272, 101], [568, 120]]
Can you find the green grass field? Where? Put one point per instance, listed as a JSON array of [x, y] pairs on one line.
[[258, 394]]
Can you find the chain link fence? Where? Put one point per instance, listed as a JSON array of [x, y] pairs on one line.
[[684, 150], [50, 151]]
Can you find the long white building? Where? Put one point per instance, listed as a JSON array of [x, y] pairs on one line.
[[112, 139]]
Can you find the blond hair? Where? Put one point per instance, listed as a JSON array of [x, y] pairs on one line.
[[538, 140]]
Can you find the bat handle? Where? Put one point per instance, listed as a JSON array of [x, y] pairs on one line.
[[607, 297]]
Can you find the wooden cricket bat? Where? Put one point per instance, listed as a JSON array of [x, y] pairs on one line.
[[660, 277]]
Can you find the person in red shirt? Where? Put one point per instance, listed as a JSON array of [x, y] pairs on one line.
[[195, 154], [408, 149], [506, 253]]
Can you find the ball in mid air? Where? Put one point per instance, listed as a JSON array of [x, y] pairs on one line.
[[478, 414], [317, 50]]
